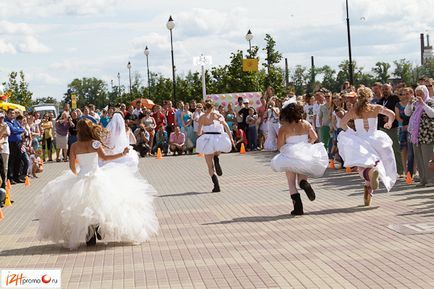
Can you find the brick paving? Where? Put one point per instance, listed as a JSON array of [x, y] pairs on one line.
[[243, 237]]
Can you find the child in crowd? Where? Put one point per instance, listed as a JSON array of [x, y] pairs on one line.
[[36, 164]]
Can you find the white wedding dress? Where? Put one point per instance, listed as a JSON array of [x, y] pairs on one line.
[[115, 199], [213, 139], [301, 157], [369, 148]]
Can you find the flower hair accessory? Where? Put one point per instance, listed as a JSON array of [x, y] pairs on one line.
[[289, 101]]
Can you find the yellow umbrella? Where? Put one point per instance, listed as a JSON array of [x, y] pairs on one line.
[[8, 105]]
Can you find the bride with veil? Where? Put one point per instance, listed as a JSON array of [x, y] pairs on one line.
[[117, 141]]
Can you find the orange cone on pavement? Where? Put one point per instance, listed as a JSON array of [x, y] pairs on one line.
[[200, 155], [348, 170], [8, 198], [332, 164], [159, 156], [242, 149], [27, 183], [408, 179], [8, 185], [2, 216]]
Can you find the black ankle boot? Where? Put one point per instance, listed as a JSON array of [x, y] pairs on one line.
[[215, 181], [305, 186], [218, 168], [298, 205], [91, 236]]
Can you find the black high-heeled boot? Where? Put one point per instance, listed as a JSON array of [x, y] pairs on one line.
[[91, 236], [215, 181], [298, 205], [218, 168], [305, 186]]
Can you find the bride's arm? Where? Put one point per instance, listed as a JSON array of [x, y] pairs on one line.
[[104, 157], [72, 158]]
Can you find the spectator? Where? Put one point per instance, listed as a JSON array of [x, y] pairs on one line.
[[35, 132], [261, 121], [130, 135], [150, 125], [36, 165], [239, 137], [15, 143], [180, 108], [377, 93], [252, 136], [158, 117], [47, 137], [137, 111], [244, 112], [62, 127], [4, 149], [161, 141], [86, 114], [196, 115], [405, 146], [170, 118], [325, 114], [142, 140], [72, 131], [308, 109], [130, 119], [192, 106], [177, 141], [389, 101], [421, 131], [237, 112], [230, 115], [187, 128], [319, 101], [273, 114], [105, 118], [92, 113]]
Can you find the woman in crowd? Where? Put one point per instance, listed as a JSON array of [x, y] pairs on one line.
[[62, 127], [213, 140], [5, 131], [338, 113], [230, 115], [84, 204], [196, 116], [273, 113], [187, 127], [421, 123], [325, 114], [72, 131], [405, 147], [149, 123], [47, 137], [299, 157], [35, 131], [261, 125], [367, 148]]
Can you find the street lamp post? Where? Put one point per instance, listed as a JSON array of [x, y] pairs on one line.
[[119, 84], [249, 37], [129, 73], [350, 64], [170, 25], [147, 66]]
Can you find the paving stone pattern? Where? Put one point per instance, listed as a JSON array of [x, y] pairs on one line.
[[242, 237]]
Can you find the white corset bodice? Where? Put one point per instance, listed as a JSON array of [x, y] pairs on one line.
[[360, 127], [88, 163], [297, 139], [215, 127]]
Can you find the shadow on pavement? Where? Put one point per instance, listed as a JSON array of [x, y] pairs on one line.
[[289, 216], [57, 249], [184, 194]]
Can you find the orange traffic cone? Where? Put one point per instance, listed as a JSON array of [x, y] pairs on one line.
[[243, 149], [2, 216], [347, 170], [8, 198], [200, 155], [332, 164], [408, 179], [27, 183], [8, 185], [159, 156]]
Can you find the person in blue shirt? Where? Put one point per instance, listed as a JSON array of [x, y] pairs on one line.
[[15, 142], [87, 115]]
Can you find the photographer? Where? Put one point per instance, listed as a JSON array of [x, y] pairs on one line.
[[142, 140]]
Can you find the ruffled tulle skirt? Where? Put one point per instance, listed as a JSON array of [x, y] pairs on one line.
[[115, 199], [367, 151], [211, 143], [301, 158]]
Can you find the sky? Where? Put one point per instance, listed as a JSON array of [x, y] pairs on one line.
[[55, 41]]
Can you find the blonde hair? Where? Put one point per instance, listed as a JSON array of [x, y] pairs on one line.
[[209, 104], [364, 95], [87, 131]]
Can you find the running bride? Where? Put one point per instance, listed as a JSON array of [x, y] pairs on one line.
[[95, 202]]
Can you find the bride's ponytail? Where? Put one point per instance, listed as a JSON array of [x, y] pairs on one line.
[[364, 96], [87, 131]]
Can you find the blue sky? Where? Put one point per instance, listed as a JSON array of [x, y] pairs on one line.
[[55, 41]]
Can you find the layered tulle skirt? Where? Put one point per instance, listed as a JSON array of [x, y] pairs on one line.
[[367, 150], [301, 158], [113, 198], [211, 143]]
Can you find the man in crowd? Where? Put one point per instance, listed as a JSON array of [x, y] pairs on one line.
[[243, 113], [170, 118], [161, 141], [376, 89], [142, 140], [177, 141], [15, 142]]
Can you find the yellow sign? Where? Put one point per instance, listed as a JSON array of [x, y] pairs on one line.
[[250, 64], [73, 101]]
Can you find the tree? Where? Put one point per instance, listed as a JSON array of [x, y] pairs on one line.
[[329, 78], [43, 100], [18, 89], [299, 78], [381, 71], [88, 91], [274, 75], [403, 71]]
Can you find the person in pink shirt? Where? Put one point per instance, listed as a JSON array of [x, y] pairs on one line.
[[177, 141]]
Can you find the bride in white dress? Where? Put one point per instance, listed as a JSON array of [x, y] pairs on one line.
[[299, 156], [116, 141], [368, 148], [95, 202]]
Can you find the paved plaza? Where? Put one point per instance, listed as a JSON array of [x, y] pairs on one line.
[[244, 236]]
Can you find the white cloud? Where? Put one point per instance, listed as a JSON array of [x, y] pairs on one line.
[[6, 47], [32, 45]]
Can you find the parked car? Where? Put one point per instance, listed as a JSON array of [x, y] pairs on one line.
[[44, 108]]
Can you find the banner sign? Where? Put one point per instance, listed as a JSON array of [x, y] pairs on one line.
[[250, 64], [73, 101]]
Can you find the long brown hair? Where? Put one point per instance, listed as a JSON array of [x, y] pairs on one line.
[[364, 95], [87, 131]]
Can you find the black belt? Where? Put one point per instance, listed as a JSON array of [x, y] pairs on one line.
[[212, 132]]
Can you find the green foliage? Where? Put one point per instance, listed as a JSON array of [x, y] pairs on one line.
[[381, 71], [88, 91], [403, 71], [43, 100], [275, 74], [19, 89]]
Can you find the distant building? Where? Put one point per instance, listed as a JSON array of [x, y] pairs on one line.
[[426, 50]]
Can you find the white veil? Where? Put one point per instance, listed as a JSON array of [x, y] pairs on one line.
[[117, 141]]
